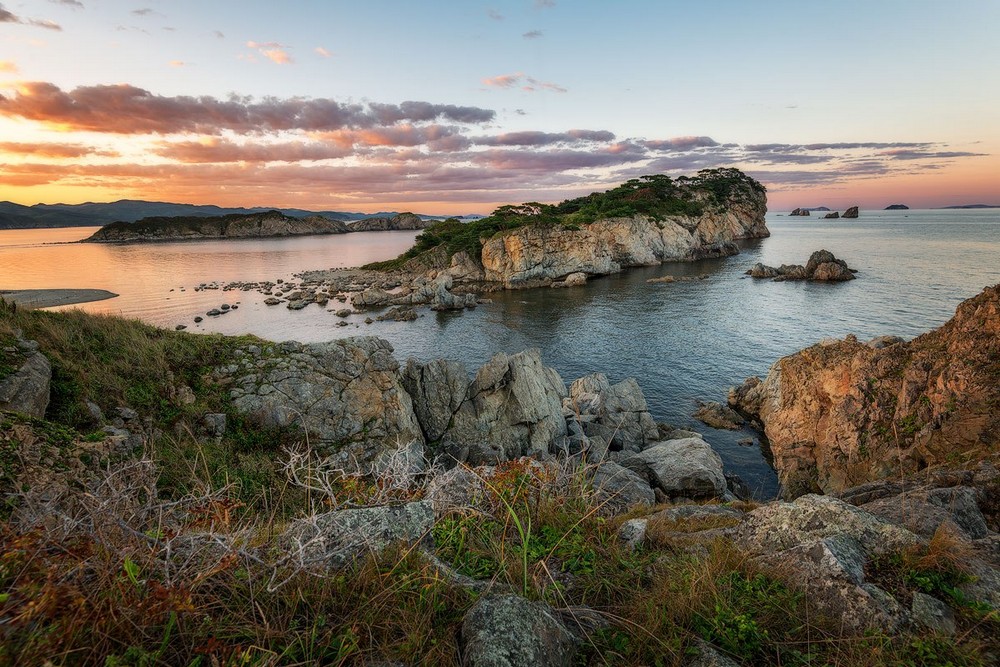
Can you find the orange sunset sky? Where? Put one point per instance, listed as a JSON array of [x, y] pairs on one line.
[[451, 108]]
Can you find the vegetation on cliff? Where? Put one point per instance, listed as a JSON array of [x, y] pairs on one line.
[[655, 196]]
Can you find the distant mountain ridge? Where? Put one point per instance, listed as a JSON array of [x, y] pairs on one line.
[[97, 214]]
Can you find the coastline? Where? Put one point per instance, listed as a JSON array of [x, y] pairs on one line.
[[47, 298]]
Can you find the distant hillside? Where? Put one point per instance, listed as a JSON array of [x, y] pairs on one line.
[[403, 221], [232, 226], [973, 206], [897, 207], [91, 214]]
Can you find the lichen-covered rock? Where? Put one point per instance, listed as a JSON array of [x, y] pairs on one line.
[[779, 526], [512, 408], [621, 489], [438, 389], [338, 538], [456, 489], [371, 298], [509, 631], [932, 614], [924, 511], [346, 394], [687, 467], [618, 414], [840, 414], [26, 390]]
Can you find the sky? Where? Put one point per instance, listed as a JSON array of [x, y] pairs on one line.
[[456, 107]]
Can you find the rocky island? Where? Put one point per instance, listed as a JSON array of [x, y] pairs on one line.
[[245, 225]]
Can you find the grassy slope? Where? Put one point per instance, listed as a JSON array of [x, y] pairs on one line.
[[102, 596]]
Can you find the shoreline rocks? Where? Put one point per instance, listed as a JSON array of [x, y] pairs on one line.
[[822, 266], [842, 413]]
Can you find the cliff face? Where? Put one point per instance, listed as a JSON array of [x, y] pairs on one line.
[[401, 222], [535, 253], [254, 225], [843, 413]]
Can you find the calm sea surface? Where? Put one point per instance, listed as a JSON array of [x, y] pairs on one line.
[[683, 341]]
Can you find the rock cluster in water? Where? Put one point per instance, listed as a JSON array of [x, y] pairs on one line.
[[822, 266]]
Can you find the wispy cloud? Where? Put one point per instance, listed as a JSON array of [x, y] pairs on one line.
[[495, 15], [523, 82], [545, 4], [273, 51], [8, 67], [323, 53], [76, 4], [7, 16], [219, 34], [178, 63], [532, 34], [146, 11], [55, 150]]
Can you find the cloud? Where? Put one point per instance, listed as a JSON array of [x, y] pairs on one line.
[[680, 143], [903, 154], [320, 51], [8, 67], [52, 149], [273, 51], [545, 4], [533, 138], [146, 11], [76, 4], [494, 14], [225, 150], [177, 63], [7, 16], [219, 34], [532, 34], [126, 109], [522, 81]]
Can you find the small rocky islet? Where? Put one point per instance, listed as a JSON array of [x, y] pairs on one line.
[[551, 523]]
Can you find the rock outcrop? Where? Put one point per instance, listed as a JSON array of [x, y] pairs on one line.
[[822, 266], [400, 222], [346, 393], [234, 226], [897, 207], [25, 389], [831, 216], [851, 212], [539, 254], [507, 630], [842, 413], [800, 212]]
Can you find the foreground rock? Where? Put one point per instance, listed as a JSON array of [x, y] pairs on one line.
[[25, 389], [509, 631], [346, 393], [842, 413], [822, 266]]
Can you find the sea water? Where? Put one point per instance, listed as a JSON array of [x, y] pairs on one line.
[[683, 341]]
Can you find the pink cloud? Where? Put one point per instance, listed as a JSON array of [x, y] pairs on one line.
[[522, 80], [8, 66]]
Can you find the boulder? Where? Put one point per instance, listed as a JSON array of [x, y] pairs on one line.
[[706, 655], [779, 526], [371, 298], [620, 489], [26, 390], [851, 212], [438, 388], [338, 538], [459, 488], [575, 279], [831, 216], [924, 511], [687, 467], [512, 408], [509, 631], [346, 394], [932, 614], [799, 212], [618, 414], [759, 270], [717, 415], [832, 272]]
